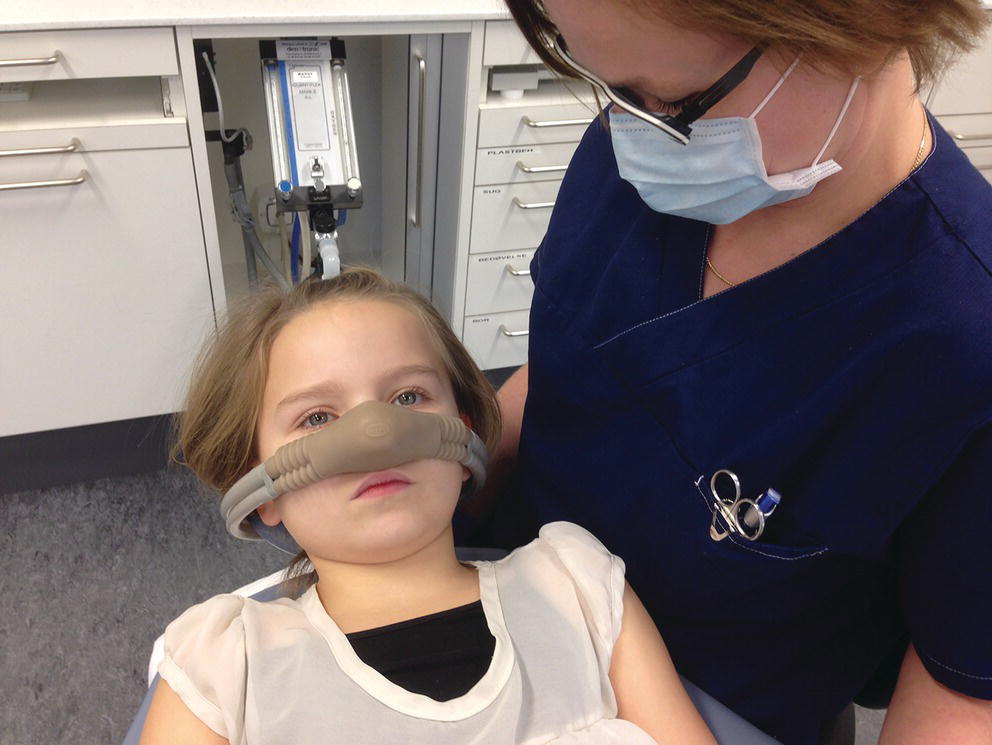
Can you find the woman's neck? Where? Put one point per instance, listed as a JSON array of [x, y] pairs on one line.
[[364, 596], [876, 152]]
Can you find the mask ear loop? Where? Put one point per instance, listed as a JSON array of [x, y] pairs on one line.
[[837, 121], [840, 118], [775, 87]]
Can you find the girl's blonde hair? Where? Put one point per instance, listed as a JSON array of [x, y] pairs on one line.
[[215, 433], [850, 36]]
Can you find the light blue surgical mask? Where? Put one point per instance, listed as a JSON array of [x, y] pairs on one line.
[[720, 175]]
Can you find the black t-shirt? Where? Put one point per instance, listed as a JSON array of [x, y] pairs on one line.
[[441, 655]]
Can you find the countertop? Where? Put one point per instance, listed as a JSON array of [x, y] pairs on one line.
[[17, 15]]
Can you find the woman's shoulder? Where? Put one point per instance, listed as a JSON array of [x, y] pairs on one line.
[[959, 194]]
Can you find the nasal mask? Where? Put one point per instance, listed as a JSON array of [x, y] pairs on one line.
[[720, 175], [372, 436]]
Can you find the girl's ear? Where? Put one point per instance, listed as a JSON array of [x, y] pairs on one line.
[[269, 513], [466, 474]]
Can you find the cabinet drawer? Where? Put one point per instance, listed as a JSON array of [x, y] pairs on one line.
[[497, 340], [99, 114], [499, 282], [93, 53], [508, 165], [505, 45], [102, 325], [511, 217], [534, 123]]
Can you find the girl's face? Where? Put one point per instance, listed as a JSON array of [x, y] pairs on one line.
[[324, 362]]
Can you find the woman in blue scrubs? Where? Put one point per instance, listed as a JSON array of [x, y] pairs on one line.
[[787, 275]]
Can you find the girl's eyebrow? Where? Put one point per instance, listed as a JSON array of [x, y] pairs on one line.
[[329, 388], [320, 390], [404, 370]]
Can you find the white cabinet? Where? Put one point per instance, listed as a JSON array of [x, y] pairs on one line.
[[525, 141], [104, 289]]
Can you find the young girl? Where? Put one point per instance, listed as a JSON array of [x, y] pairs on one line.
[[394, 639]]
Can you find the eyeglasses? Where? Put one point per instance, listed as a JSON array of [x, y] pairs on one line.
[[677, 126]]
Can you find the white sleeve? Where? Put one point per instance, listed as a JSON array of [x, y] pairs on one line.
[[598, 576], [205, 663]]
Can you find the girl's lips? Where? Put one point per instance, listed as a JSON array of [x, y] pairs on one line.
[[381, 484]]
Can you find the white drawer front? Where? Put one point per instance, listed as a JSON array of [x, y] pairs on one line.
[[511, 217], [93, 53], [505, 45], [530, 123], [105, 324], [967, 86], [498, 340], [508, 165], [499, 282], [166, 133]]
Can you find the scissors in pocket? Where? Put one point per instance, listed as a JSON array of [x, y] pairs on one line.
[[745, 517]]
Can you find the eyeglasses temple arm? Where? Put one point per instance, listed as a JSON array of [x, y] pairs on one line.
[[712, 95]]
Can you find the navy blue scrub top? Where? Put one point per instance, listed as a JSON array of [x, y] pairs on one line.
[[855, 379]]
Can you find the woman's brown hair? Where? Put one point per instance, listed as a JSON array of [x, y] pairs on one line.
[[851, 36], [215, 433]]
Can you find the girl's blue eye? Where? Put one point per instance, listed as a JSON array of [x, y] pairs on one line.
[[317, 419], [408, 398]]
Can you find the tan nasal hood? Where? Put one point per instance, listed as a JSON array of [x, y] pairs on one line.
[[372, 436]]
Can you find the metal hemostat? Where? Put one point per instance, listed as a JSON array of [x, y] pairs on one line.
[[370, 437]]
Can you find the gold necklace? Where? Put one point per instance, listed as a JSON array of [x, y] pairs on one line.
[[718, 275], [916, 164], [923, 142]]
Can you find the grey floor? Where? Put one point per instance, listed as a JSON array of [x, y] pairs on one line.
[[90, 574]]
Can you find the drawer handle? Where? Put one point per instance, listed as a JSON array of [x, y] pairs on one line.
[[506, 332], [517, 272], [421, 124], [541, 169], [537, 124], [532, 205], [56, 55], [70, 148], [45, 184], [966, 138]]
